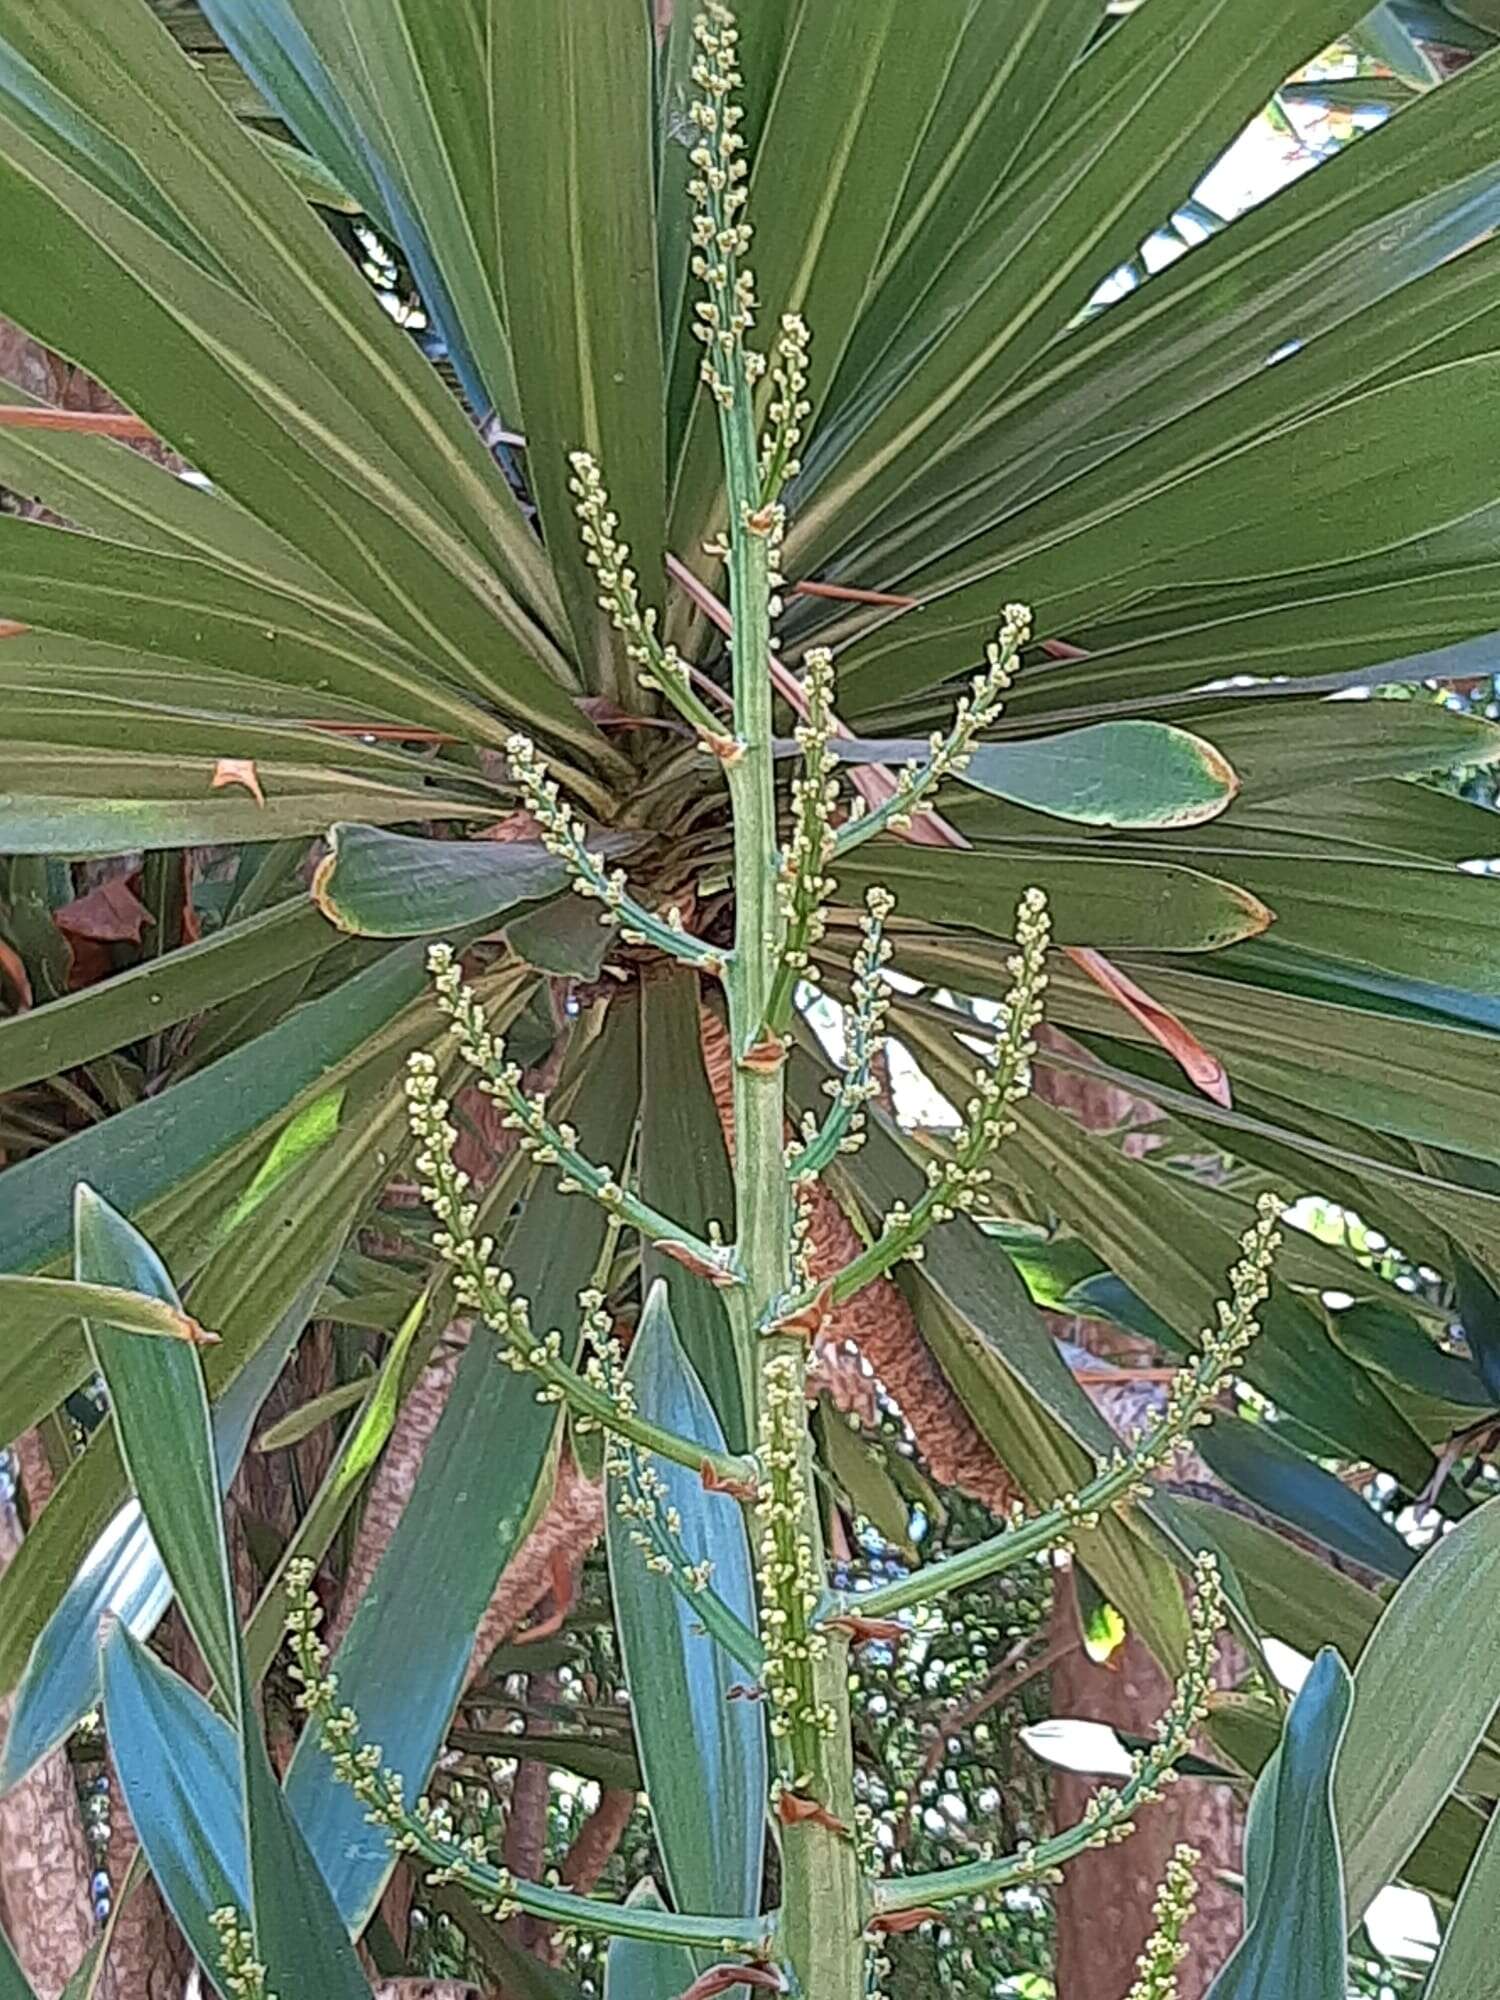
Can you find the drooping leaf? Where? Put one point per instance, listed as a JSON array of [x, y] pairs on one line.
[[161, 1414], [1294, 1888], [178, 1766], [1272, 1474], [1425, 1689], [685, 1172], [703, 1756], [380, 884], [406, 1653], [1465, 1964]]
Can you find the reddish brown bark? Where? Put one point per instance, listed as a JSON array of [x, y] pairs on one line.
[[44, 1857]]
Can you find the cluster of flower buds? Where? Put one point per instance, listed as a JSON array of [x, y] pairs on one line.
[[788, 1574], [243, 1974], [1166, 1949], [789, 408], [843, 1130], [659, 667], [949, 754], [566, 836], [720, 234], [802, 889], [426, 1829]]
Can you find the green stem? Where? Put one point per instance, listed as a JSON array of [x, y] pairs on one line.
[[822, 1915]]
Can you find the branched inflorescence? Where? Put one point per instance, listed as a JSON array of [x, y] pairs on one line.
[[244, 1975], [789, 1582], [1110, 1814], [566, 836], [659, 666], [1156, 1968], [948, 754], [956, 1182], [427, 1830], [1125, 1477], [480, 1285]]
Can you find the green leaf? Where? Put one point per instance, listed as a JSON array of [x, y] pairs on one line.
[[637, 1971], [859, 1470], [580, 283], [1120, 774], [1138, 120], [121, 1577], [1294, 1886], [161, 1416], [1216, 517], [685, 1172], [313, 1414], [147, 1150], [703, 1756], [178, 1767], [1465, 1965], [400, 507], [31, 1303], [1105, 903], [158, 994], [1264, 1469], [405, 1656], [1425, 1689], [379, 884]]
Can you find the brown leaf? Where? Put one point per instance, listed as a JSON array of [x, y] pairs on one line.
[[891, 1923], [869, 1631], [701, 1267], [111, 914], [792, 1809], [737, 1489], [13, 968], [238, 771], [1202, 1069], [724, 1979]]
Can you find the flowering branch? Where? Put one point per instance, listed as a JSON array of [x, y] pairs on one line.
[[1110, 1815], [842, 1131], [567, 838], [427, 1830], [481, 1287], [788, 411], [557, 1145], [1156, 1968], [661, 667], [947, 755], [954, 1184], [802, 889], [1124, 1478]]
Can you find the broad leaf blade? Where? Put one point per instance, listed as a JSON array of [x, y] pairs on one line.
[[1465, 1967], [703, 1756], [378, 884], [1425, 1689], [1294, 1887]]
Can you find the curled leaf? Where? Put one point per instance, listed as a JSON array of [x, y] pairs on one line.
[[237, 771]]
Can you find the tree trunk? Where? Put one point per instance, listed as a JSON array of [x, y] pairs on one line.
[[45, 1867]]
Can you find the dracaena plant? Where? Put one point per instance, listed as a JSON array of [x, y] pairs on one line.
[[1262, 954]]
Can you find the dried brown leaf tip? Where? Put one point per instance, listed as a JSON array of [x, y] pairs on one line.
[[868, 1631], [807, 1323], [737, 1489], [793, 1809], [197, 1335], [893, 1922], [766, 1056], [727, 749], [701, 1267], [237, 771], [724, 1979]]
